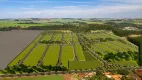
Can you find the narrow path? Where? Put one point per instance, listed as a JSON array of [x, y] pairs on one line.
[[98, 47], [59, 62], [44, 53], [92, 52], [23, 59], [74, 50]]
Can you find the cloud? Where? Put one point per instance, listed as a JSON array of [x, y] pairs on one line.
[[50, 1], [124, 8], [18, 1], [77, 12]]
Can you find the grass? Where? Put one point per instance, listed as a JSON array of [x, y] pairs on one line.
[[98, 50], [84, 64], [51, 56], [46, 37], [24, 52], [50, 77], [105, 48], [79, 52], [75, 38], [67, 37], [35, 55], [88, 56], [67, 54], [128, 48], [57, 37], [125, 63], [114, 47], [8, 23]]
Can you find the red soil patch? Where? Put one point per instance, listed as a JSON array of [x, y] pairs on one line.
[[139, 72], [67, 76]]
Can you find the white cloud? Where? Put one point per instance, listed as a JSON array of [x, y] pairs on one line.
[[81, 11], [18, 1], [123, 0]]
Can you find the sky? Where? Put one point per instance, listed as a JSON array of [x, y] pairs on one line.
[[70, 8]]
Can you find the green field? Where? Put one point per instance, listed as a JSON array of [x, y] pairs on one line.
[[54, 53], [50, 77], [84, 64], [35, 55], [51, 56], [126, 63], [75, 38], [79, 52], [67, 38], [46, 37], [67, 54], [57, 37]]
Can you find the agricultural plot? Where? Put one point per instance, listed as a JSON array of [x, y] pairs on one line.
[[51, 56], [67, 38], [88, 56], [84, 64], [47, 37], [126, 63], [128, 48], [35, 55], [58, 37], [98, 51], [75, 38], [49, 77], [79, 52], [86, 52], [114, 47], [67, 54], [104, 44], [105, 48]]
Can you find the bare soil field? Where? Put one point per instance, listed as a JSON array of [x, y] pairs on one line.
[[13, 42]]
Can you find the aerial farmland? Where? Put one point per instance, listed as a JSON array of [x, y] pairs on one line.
[[68, 49], [63, 48]]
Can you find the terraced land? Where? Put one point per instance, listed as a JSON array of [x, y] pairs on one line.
[[75, 50]]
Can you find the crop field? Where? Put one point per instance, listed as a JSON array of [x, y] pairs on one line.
[[67, 54], [79, 52], [51, 59], [76, 51], [35, 55], [49, 77]]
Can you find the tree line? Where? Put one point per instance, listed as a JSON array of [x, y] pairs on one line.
[[31, 69], [137, 41]]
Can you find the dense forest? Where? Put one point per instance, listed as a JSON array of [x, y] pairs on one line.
[[138, 42]]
